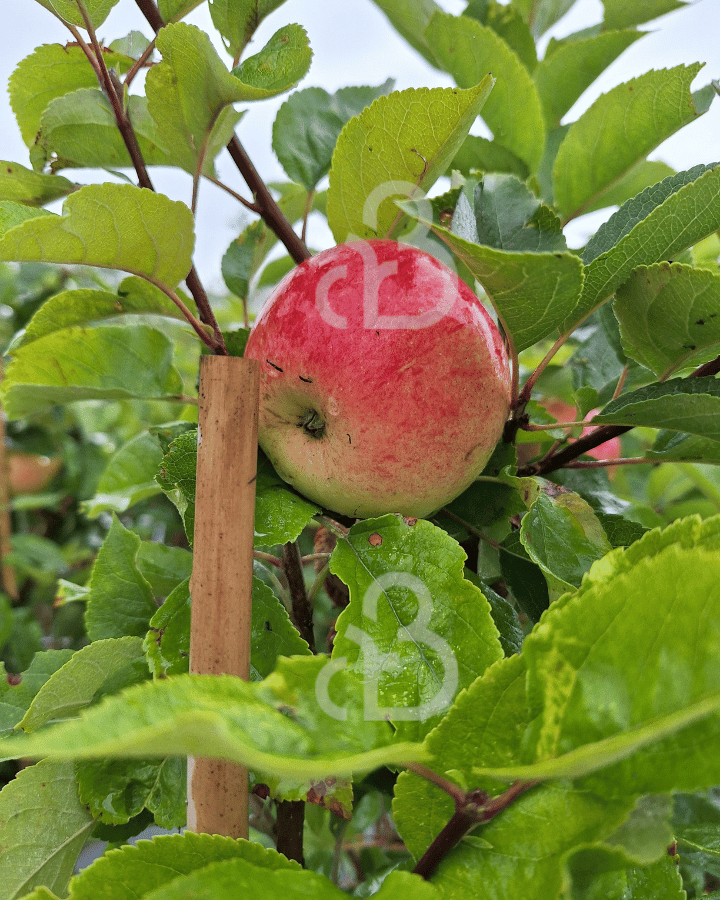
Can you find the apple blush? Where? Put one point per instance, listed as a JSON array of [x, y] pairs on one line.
[[385, 385]]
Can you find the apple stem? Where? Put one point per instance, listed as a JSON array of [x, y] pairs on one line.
[[313, 423]]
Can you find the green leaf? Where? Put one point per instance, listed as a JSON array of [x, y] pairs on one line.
[[52, 71], [670, 446], [573, 65], [82, 306], [17, 692], [402, 143], [524, 578], [533, 293], [79, 130], [308, 124], [410, 19], [97, 10], [660, 879], [414, 629], [654, 226], [619, 129], [644, 174], [190, 93], [669, 316], [174, 10], [468, 51], [690, 405], [273, 634], [237, 22], [120, 601], [281, 63], [22, 185], [112, 226], [508, 23], [43, 828], [508, 217], [479, 154], [541, 14], [621, 674], [288, 726], [128, 477], [167, 642], [163, 567], [102, 667], [115, 791], [80, 364], [280, 513], [139, 870], [238, 263], [176, 477], [619, 14]]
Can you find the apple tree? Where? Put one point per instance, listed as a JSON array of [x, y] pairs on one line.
[[517, 694]]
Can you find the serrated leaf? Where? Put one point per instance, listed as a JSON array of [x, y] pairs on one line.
[[83, 306], [670, 446], [541, 14], [414, 629], [402, 143], [167, 642], [52, 71], [532, 293], [102, 667], [163, 567], [43, 828], [97, 10], [657, 224], [622, 674], [669, 316], [128, 477], [619, 129], [17, 693], [174, 10], [410, 19], [468, 50], [280, 513], [138, 870], [619, 14], [564, 537], [237, 22], [112, 226], [660, 879], [480, 154], [177, 475], [192, 103], [644, 174], [115, 791], [690, 405], [508, 217], [79, 130], [288, 726], [22, 185], [507, 21], [80, 364], [564, 74], [120, 601], [308, 124], [524, 577]]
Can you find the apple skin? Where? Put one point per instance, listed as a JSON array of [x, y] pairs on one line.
[[28, 473], [385, 385], [563, 412]]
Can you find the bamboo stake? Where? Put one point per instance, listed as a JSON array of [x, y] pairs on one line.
[[221, 582]]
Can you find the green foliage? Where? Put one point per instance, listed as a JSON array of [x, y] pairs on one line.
[[546, 645]]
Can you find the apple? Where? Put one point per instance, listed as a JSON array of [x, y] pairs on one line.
[[28, 473], [385, 385]]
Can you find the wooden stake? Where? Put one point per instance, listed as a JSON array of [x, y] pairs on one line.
[[221, 583]]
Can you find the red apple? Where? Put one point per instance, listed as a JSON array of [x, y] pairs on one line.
[[385, 385], [563, 412], [29, 473]]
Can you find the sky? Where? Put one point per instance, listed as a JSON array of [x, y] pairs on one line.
[[354, 44]]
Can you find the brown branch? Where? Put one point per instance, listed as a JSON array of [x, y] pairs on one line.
[[474, 807], [151, 13], [290, 822], [302, 612]]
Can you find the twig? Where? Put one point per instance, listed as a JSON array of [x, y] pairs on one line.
[[268, 558], [290, 822], [139, 63], [474, 808], [302, 612]]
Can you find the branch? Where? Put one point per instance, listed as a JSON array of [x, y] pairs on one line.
[[302, 612], [474, 807]]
